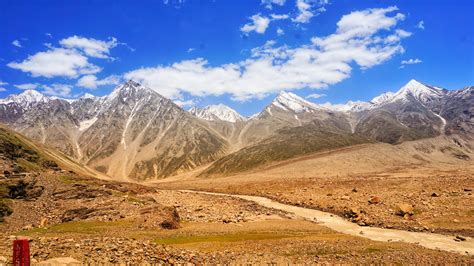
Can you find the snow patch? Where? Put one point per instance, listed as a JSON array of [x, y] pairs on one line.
[[217, 112], [84, 125]]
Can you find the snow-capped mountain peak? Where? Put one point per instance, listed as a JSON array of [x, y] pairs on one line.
[[292, 102], [382, 98], [217, 112], [26, 98], [419, 91], [87, 96]]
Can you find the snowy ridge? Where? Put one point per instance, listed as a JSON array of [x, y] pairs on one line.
[[419, 91], [25, 99], [292, 102], [217, 112], [383, 98]]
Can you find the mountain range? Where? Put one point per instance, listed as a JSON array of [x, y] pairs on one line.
[[134, 133]]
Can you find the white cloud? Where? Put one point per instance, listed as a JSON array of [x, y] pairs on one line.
[[361, 39], [91, 47], [17, 43], [315, 96], [2, 83], [259, 24], [56, 62], [411, 61], [307, 9], [27, 86], [279, 16], [2, 89], [49, 35], [269, 3], [91, 81], [421, 25], [184, 103], [280, 32], [61, 90], [190, 50], [305, 13]]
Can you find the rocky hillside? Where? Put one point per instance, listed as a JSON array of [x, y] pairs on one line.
[[38, 190], [286, 143], [133, 133]]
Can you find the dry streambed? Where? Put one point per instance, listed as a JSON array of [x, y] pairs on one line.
[[336, 223]]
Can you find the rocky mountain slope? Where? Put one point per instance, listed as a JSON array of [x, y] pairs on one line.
[[132, 133], [135, 133], [217, 112]]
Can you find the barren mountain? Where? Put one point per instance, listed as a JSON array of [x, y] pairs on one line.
[[135, 133], [132, 133]]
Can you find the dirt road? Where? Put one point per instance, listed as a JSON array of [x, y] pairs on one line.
[[336, 223]]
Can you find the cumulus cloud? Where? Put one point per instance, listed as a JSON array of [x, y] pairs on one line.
[[2, 89], [190, 50], [91, 47], [269, 3], [279, 16], [259, 24], [17, 43], [2, 83], [184, 103], [70, 60], [280, 31], [315, 96], [411, 61], [361, 39], [56, 62], [91, 81], [60, 90], [307, 9], [27, 86], [421, 25]]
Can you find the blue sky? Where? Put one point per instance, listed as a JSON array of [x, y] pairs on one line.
[[236, 52]]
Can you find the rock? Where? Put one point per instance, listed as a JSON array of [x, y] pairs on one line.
[[375, 200], [43, 222], [461, 238], [345, 197], [354, 190], [404, 209], [435, 194], [61, 261]]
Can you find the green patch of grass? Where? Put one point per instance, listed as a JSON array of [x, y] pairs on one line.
[[224, 238], [27, 165], [78, 227], [373, 249], [417, 211]]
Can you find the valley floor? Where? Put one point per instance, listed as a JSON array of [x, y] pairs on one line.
[[381, 186], [218, 229]]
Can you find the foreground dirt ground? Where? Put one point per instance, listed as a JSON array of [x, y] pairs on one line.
[[212, 232], [367, 184], [99, 222]]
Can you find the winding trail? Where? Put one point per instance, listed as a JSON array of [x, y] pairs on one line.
[[338, 224]]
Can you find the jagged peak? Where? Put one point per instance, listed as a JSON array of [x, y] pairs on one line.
[[217, 112], [292, 102], [25, 98], [88, 96]]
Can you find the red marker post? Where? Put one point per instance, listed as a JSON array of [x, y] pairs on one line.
[[21, 252]]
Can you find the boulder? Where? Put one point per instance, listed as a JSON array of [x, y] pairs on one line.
[[375, 200], [404, 209]]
